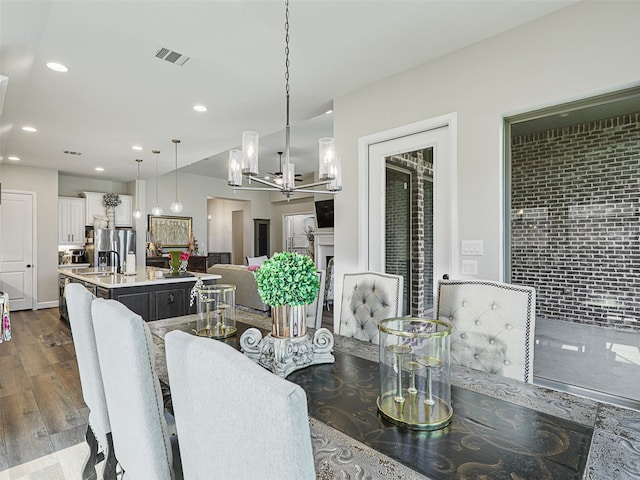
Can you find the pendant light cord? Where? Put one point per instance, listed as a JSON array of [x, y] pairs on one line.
[[287, 140], [156, 152], [176, 142], [138, 161]]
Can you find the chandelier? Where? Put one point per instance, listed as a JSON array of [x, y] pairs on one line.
[[244, 163]]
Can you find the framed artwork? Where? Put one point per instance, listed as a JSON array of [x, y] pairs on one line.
[[170, 231]]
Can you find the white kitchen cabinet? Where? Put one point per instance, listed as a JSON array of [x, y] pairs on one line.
[[123, 211], [71, 221], [93, 206], [124, 214]]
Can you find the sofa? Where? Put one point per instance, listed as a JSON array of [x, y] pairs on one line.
[[247, 290], [245, 282]]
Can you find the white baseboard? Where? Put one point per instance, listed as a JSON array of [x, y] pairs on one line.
[[42, 305]]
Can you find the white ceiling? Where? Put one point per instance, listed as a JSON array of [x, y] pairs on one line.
[[118, 94]]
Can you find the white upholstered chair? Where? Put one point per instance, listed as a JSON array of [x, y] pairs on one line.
[[98, 433], [143, 442], [368, 298], [314, 310], [493, 325], [235, 419]]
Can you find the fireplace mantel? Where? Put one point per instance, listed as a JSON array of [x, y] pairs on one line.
[[323, 248]]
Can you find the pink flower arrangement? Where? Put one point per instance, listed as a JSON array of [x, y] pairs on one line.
[[184, 256]]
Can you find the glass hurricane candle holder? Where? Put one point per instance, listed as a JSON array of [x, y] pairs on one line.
[[415, 373], [216, 317]]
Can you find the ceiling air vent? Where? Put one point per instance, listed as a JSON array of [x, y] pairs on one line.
[[171, 56], [71, 152]]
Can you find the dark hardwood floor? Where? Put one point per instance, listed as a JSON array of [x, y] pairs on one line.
[[41, 406]]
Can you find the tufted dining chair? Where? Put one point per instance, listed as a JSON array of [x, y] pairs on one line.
[[493, 325], [368, 298], [243, 422], [314, 310], [98, 433], [142, 438]]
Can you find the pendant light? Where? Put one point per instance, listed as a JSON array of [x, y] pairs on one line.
[[157, 210], [244, 163], [137, 213], [176, 206]]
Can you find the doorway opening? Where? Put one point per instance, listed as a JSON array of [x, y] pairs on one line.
[[572, 234], [298, 233], [229, 229]]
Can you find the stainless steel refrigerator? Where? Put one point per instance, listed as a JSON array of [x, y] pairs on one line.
[[106, 242]]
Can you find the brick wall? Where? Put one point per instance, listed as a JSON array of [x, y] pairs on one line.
[[420, 210], [575, 221]]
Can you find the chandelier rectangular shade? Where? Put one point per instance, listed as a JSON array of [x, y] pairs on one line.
[[249, 153], [335, 184], [289, 175], [235, 168], [326, 158]]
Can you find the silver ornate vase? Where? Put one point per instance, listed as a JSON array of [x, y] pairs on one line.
[[288, 321]]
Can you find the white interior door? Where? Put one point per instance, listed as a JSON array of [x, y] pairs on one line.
[[444, 201], [16, 254]]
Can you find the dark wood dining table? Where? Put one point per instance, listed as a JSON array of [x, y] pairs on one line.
[[501, 428]]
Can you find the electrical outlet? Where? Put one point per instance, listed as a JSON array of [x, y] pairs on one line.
[[469, 267]]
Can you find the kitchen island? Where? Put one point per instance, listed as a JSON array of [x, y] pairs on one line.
[[153, 293]]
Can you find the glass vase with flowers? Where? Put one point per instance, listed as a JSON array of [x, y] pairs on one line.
[[178, 261]]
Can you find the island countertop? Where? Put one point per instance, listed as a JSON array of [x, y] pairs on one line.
[[106, 278]]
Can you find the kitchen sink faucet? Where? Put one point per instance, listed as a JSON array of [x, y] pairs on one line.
[[117, 259]]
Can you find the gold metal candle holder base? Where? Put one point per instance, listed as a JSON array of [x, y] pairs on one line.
[[223, 331], [414, 413]]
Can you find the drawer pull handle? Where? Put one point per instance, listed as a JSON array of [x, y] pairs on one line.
[[171, 298]]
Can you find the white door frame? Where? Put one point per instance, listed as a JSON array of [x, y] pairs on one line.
[[34, 244], [445, 188]]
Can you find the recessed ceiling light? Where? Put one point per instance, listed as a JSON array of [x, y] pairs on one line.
[[200, 108], [99, 169], [27, 128], [13, 158], [58, 67], [136, 147]]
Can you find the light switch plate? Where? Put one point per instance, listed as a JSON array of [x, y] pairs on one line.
[[469, 267], [472, 247]]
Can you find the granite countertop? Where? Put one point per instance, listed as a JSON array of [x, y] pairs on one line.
[[106, 278]]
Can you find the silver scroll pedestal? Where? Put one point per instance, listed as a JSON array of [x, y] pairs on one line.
[[285, 355]]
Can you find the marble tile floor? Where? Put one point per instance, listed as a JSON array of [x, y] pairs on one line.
[[590, 361], [64, 464]]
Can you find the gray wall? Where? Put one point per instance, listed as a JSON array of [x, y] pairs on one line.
[[194, 192], [582, 50], [44, 182]]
